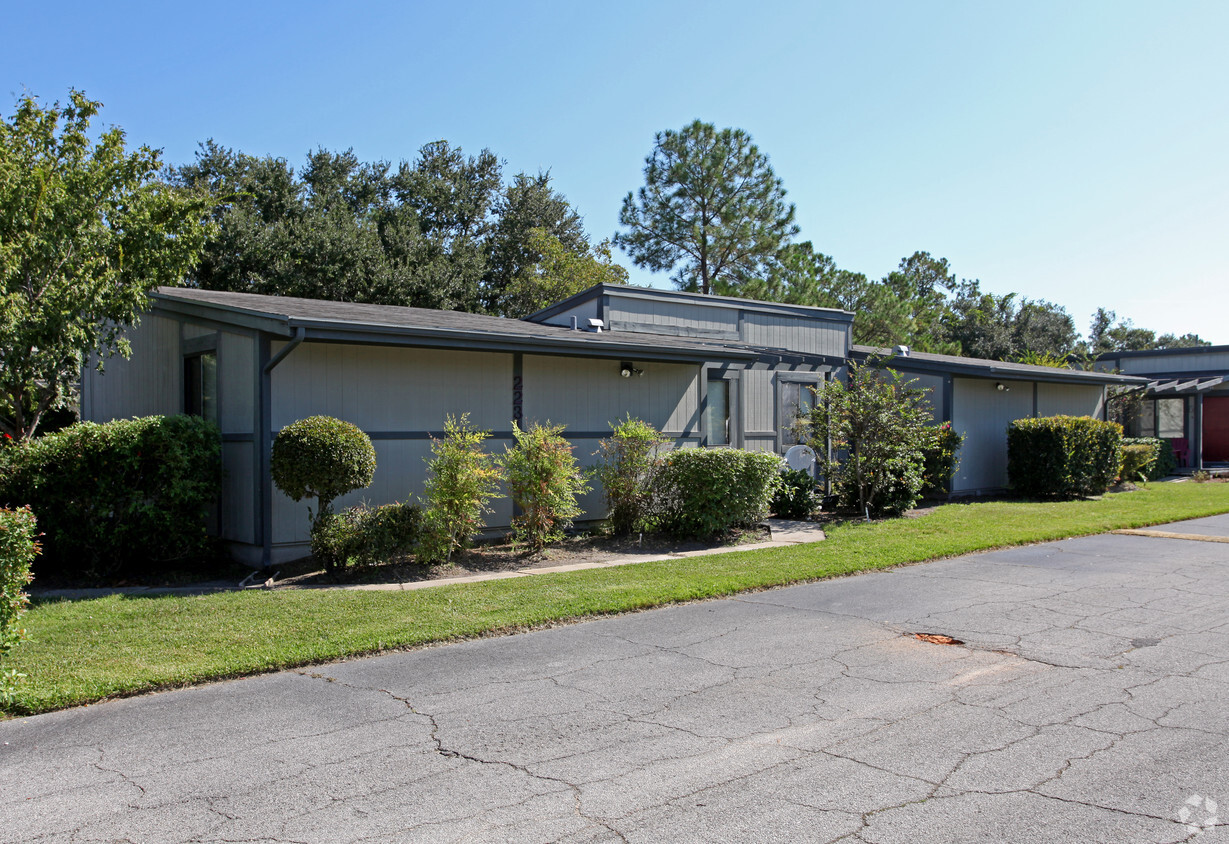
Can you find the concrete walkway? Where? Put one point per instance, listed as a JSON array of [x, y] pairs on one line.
[[783, 532], [1081, 698]]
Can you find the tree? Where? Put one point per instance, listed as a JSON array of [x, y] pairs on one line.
[[876, 424], [86, 231], [921, 283], [711, 207], [802, 276], [557, 274]]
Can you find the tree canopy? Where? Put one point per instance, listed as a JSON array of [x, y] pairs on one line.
[[1104, 335], [711, 211], [558, 274], [441, 232], [86, 231]]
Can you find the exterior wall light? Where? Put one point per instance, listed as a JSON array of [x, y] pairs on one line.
[[627, 369], [1002, 388]]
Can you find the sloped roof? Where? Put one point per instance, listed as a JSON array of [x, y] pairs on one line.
[[706, 299], [979, 367], [355, 322]]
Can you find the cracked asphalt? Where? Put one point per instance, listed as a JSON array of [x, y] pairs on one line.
[[1089, 703]]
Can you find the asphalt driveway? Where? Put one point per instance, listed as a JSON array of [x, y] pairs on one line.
[[1088, 702]]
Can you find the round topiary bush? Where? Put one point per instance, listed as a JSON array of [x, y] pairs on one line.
[[323, 458]]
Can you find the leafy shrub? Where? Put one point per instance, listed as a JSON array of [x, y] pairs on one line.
[[1062, 456], [118, 496], [544, 480], [877, 424], [1137, 461], [1165, 463], [797, 496], [629, 465], [940, 458], [322, 458], [18, 548], [366, 536], [704, 492], [463, 480]]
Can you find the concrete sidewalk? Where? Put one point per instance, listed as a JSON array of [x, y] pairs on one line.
[[784, 532], [1081, 699]]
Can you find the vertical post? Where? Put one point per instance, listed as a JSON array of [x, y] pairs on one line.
[[1197, 440], [264, 450], [1036, 403]]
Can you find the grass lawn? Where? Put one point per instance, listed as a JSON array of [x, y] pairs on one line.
[[84, 651]]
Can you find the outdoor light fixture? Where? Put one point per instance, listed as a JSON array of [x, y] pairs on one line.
[[1002, 388], [627, 369]]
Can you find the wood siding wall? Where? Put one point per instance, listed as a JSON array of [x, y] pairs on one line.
[[147, 383], [1200, 362], [684, 319], [814, 336], [1069, 400], [982, 413]]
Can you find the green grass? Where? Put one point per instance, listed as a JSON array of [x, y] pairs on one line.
[[84, 651]]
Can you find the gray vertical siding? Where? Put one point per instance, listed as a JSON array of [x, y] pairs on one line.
[[759, 404], [688, 319], [1068, 400], [1204, 362], [389, 390], [147, 383], [583, 311], [814, 335], [982, 413]]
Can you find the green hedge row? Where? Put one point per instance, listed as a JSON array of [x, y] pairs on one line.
[[1063, 456], [710, 491], [118, 496]]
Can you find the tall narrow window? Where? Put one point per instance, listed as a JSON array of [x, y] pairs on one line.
[[1171, 418], [200, 379], [797, 400], [718, 414]]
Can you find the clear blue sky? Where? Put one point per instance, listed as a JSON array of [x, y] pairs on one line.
[[1071, 151]]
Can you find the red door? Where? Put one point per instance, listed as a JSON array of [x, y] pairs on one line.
[[1215, 428]]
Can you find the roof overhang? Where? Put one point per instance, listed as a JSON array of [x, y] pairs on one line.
[[1183, 386], [998, 370]]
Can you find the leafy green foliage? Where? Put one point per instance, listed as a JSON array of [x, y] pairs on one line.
[[940, 458], [440, 232], [118, 496], [1163, 462], [877, 424], [18, 548], [141, 644], [367, 536], [558, 274], [463, 480], [1137, 461], [710, 206], [322, 458], [627, 472], [797, 497], [85, 233], [1104, 335], [1063, 456], [705, 492], [544, 480]]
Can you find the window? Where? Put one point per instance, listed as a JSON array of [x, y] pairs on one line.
[[717, 414], [1171, 418], [200, 380], [797, 399]]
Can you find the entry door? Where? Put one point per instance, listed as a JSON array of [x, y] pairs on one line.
[[1215, 429]]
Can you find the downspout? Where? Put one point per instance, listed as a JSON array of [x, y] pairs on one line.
[[265, 440]]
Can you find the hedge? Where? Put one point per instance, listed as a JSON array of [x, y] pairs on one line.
[[705, 492], [1063, 456], [118, 496]]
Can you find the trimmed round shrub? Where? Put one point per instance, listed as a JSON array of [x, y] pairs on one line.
[[704, 492], [1063, 456], [323, 458], [123, 496]]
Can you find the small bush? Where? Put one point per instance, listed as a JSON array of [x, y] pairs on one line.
[[941, 458], [1165, 462], [1137, 461], [704, 492], [544, 480], [119, 496], [18, 548], [629, 465], [797, 497], [1062, 456], [367, 536], [463, 480], [322, 458]]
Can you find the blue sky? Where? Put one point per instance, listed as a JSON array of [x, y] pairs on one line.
[[1070, 151]]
